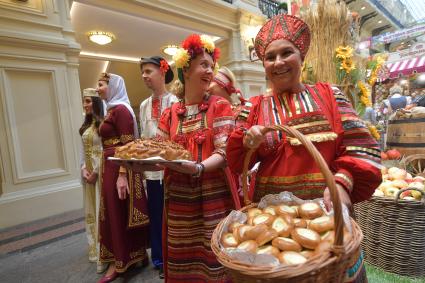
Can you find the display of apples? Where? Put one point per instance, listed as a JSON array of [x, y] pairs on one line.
[[394, 179]]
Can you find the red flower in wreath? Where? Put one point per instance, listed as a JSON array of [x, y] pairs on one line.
[[164, 67], [181, 109], [203, 107], [200, 137]]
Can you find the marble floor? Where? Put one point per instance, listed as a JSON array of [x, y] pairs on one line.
[[60, 259]]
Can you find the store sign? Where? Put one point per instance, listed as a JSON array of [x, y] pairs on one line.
[[399, 35], [416, 50]]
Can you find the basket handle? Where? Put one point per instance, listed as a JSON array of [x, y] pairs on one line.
[[329, 178], [397, 196]]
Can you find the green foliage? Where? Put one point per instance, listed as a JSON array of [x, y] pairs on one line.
[[377, 275]]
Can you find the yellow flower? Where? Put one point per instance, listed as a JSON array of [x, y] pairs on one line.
[[346, 51], [181, 58], [348, 65], [208, 43], [374, 132]]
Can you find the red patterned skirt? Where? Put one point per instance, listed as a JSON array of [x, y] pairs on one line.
[[193, 208]]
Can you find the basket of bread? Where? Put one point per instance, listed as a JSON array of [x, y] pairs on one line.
[[286, 239], [393, 223]]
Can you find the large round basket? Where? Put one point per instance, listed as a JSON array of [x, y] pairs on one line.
[[328, 267], [394, 232]]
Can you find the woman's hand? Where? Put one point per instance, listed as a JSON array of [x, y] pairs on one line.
[[92, 178], [253, 137], [122, 186], [343, 196], [85, 174], [185, 167]]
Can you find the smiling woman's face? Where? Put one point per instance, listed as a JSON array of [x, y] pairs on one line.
[[282, 63], [200, 73]]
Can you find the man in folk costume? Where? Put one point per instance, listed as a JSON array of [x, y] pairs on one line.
[[155, 73]]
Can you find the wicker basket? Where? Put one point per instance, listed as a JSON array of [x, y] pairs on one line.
[[328, 267], [394, 232]]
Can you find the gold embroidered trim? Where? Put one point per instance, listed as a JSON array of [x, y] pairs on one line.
[[291, 179], [346, 178], [138, 187], [126, 138], [139, 217], [105, 253], [140, 252], [111, 141], [319, 137], [370, 150], [102, 209]]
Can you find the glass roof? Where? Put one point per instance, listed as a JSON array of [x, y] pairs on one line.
[[416, 9]]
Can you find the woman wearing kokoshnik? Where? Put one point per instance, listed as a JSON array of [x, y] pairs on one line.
[[321, 112]]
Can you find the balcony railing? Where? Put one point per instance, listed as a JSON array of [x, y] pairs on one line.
[[270, 8]]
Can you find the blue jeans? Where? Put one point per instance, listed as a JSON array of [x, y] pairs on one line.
[[155, 192]]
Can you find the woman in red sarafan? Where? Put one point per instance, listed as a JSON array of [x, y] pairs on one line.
[[320, 112], [197, 195], [123, 216]]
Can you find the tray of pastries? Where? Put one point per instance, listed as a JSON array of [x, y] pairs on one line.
[[152, 151]]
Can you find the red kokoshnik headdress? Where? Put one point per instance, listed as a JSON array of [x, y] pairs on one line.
[[286, 27]]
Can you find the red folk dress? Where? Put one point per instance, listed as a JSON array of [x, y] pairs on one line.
[[194, 206], [326, 117], [122, 223]]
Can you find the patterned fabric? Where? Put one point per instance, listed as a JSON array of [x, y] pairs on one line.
[[286, 27], [195, 206], [119, 243], [92, 149], [326, 117]]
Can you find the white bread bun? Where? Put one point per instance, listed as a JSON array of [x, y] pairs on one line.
[[286, 244], [323, 247], [300, 223], [239, 232], [256, 231], [228, 240], [282, 227], [310, 210], [306, 237], [286, 209], [248, 246], [291, 258], [264, 218], [268, 250], [266, 237], [252, 212], [232, 226], [322, 224], [270, 210], [307, 253]]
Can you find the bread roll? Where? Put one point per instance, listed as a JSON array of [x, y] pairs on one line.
[[270, 210], [322, 224], [310, 210], [286, 209], [282, 227], [252, 212], [291, 258], [300, 223], [232, 226], [264, 218], [228, 240], [248, 246], [286, 244], [323, 247], [306, 237], [308, 253], [266, 237], [269, 250], [256, 231], [239, 232]]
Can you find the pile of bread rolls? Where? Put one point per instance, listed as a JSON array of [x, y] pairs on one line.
[[291, 233]]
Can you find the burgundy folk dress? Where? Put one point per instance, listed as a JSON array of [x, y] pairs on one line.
[[194, 206], [123, 233]]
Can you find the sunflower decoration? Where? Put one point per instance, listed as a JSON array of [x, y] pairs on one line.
[[344, 59], [374, 132], [364, 94]]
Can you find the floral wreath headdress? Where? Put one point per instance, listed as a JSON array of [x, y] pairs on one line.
[[163, 66], [192, 46]]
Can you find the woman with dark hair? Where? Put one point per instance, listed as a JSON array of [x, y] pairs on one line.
[[90, 164], [123, 215], [321, 112], [197, 195]]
